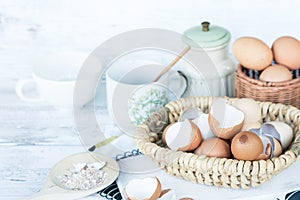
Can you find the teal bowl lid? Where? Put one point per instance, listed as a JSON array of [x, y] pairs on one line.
[[206, 36]]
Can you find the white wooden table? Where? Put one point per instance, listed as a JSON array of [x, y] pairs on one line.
[[34, 137]]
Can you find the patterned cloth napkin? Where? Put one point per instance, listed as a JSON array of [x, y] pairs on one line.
[[284, 186]]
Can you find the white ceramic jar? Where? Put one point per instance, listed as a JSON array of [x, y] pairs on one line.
[[214, 73]]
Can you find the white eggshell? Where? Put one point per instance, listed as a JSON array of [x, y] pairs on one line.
[[97, 165], [143, 188], [202, 124], [285, 132]]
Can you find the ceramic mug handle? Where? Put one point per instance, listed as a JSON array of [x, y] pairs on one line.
[[19, 90], [184, 86], [178, 83]]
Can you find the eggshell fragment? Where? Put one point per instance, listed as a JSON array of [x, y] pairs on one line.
[[286, 51], [276, 73], [167, 195], [225, 120], [147, 188], [250, 108], [284, 130], [247, 127], [202, 124], [252, 53], [182, 136], [214, 147], [268, 147]]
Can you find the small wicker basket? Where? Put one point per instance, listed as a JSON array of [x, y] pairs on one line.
[[287, 92], [220, 172]]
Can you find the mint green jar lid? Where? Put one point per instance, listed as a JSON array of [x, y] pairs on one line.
[[206, 36]]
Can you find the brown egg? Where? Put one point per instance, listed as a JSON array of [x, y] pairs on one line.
[[246, 146], [286, 51], [252, 53], [276, 73], [214, 147]]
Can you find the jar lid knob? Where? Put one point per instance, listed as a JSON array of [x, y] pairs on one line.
[[205, 26]]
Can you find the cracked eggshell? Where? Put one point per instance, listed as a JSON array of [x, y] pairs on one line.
[[268, 147], [163, 137], [147, 188], [284, 130], [248, 126], [224, 120], [168, 195], [97, 165], [182, 136], [202, 124], [250, 108]]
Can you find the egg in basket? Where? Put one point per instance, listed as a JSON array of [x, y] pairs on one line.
[[238, 143]]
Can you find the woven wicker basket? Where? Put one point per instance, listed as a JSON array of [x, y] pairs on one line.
[[281, 92], [219, 172]]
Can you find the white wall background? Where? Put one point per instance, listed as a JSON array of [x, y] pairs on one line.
[[30, 28], [84, 24]]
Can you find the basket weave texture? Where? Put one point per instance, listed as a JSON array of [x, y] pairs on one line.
[[220, 172], [287, 92]]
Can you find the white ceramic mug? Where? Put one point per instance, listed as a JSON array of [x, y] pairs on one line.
[[54, 77], [123, 84]]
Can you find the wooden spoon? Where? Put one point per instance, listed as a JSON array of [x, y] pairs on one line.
[[172, 63], [53, 190]]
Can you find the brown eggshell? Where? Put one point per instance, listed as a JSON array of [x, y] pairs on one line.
[[225, 120], [252, 53], [284, 130], [186, 136], [224, 133], [157, 192], [154, 196], [246, 146], [286, 51], [214, 147], [163, 192], [276, 73], [267, 154], [196, 139]]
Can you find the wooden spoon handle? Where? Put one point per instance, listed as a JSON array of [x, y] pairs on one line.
[[172, 63]]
